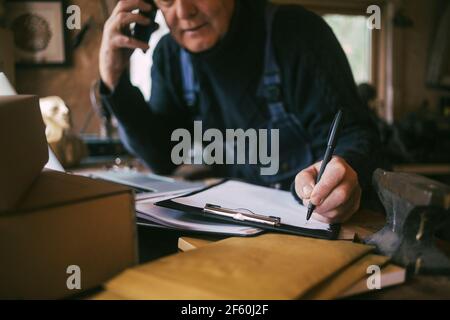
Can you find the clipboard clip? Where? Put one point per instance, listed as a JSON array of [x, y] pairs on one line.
[[237, 214]]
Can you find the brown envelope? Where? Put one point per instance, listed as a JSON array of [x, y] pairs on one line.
[[271, 266], [333, 287]]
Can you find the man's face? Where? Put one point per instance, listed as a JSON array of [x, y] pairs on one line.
[[197, 25]]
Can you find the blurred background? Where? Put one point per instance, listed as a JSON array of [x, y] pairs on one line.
[[402, 70]]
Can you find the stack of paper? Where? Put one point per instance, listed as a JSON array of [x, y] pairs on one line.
[[146, 210]]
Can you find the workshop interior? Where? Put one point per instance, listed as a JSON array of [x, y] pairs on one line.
[[86, 215]]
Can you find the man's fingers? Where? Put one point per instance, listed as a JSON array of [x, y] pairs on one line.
[[340, 195], [341, 213], [334, 216], [347, 210], [332, 176], [130, 5], [124, 19], [122, 41], [320, 218], [305, 182]]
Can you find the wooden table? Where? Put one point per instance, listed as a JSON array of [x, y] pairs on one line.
[[156, 243]]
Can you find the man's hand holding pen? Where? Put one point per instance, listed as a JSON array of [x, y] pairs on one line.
[[337, 195]]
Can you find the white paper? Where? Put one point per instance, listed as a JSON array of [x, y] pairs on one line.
[[260, 200], [6, 89]]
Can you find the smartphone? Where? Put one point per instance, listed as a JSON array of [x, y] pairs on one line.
[[141, 32]]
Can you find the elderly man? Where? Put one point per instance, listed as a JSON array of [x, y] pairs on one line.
[[245, 64]]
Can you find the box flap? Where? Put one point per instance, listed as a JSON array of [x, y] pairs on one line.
[[54, 188], [23, 146]]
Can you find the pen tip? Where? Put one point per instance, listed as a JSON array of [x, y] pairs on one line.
[[309, 212]]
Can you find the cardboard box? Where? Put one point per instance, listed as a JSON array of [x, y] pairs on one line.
[[7, 61], [65, 221], [23, 147]]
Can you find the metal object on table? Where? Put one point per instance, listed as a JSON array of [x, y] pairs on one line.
[[416, 208]]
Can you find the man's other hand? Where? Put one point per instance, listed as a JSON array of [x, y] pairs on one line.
[[117, 45]]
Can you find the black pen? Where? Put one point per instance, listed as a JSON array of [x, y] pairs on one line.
[[332, 139]]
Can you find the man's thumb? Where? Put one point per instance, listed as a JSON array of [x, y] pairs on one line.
[[307, 190], [304, 183]]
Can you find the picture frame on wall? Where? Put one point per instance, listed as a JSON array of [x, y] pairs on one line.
[[39, 32]]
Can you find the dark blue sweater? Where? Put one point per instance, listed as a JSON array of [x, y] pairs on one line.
[[316, 79]]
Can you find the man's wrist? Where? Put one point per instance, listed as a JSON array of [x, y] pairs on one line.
[[108, 91], [108, 85], [104, 89]]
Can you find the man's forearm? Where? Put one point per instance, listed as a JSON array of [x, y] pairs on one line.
[[145, 134]]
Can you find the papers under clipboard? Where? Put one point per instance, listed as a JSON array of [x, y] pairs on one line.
[[252, 205]]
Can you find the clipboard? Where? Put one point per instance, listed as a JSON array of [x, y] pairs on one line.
[[149, 215], [239, 214]]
